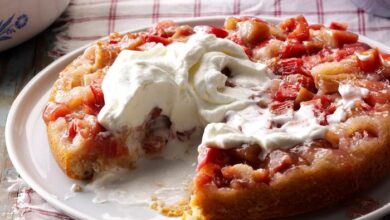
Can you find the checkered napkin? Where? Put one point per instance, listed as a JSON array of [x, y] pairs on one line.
[[87, 20]]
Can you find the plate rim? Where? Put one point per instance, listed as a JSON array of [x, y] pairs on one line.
[[65, 60]]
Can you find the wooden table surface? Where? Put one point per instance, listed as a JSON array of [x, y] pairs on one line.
[[17, 66]]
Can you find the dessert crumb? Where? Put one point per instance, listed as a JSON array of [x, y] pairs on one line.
[[76, 188], [174, 210]]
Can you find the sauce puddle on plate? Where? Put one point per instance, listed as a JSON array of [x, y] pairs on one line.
[[162, 182]]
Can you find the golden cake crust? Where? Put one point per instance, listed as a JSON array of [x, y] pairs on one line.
[[83, 155], [304, 188], [77, 161]]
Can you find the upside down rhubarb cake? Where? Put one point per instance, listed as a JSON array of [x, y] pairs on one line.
[[295, 117]]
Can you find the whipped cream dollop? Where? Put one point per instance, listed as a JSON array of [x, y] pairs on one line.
[[255, 125], [350, 95], [189, 83], [184, 80]]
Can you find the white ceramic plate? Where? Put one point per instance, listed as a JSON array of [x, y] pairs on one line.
[[29, 151]]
